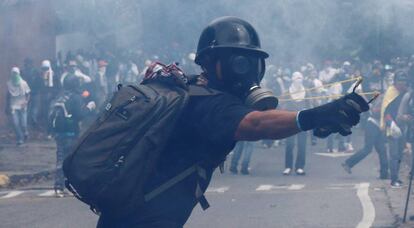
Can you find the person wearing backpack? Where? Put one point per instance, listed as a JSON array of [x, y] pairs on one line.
[[233, 107], [66, 111]]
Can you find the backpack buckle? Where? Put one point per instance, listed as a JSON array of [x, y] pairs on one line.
[[108, 106]]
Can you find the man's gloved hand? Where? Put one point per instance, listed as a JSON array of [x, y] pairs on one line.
[[335, 117]]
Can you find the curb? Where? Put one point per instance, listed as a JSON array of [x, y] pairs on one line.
[[20, 180], [404, 174]]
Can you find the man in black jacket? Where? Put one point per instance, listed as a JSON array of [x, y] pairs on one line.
[[67, 110], [230, 55]]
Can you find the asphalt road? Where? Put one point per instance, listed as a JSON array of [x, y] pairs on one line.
[[325, 197]]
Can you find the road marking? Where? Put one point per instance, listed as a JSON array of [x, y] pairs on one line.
[[368, 208], [218, 190], [341, 186], [335, 155], [11, 194], [344, 185], [47, 193], [269, 187], [296, 187]]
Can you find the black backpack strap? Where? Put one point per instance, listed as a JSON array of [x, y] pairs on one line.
[[198, 91], [199, 194]]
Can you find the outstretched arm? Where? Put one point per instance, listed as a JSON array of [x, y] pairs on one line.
[[272, 124], [335, 117]]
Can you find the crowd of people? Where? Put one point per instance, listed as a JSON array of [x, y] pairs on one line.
[[33, 89], [387, 126], [99, 77]]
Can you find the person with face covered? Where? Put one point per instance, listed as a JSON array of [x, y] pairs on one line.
[[18, 94], [230, 55]]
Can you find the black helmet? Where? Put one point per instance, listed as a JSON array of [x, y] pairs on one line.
[[71, 83], [229, 32]]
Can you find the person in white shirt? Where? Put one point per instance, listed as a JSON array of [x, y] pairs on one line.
[[17, 99], [328, 73], [73, 69]]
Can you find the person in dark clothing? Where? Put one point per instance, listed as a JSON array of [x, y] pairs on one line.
[[245, 149], [374, 138], [393, 126], [65, 135], [230, 55]]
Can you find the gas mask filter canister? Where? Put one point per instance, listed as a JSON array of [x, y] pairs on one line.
[[243, 75]]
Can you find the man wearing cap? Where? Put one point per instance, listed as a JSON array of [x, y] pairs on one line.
[[17, 99]]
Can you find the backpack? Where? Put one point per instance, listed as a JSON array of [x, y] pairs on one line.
[[59, 119], [113, 159]]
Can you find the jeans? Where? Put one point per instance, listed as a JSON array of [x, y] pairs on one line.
[[242, 147], [19, 117], [341, 142], [301, 156], [35, 104], [396, 148], [373, 138], [63, 144]]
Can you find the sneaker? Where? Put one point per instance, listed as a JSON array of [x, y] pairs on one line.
[[335, 151], [59, 193], [396, 184], [287, 171], [400, 182], [329, 151], [300, 172], [234, 170], [245, 171], [346, 167], [349, 147]]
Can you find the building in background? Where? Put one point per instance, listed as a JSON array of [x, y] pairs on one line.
[[27, 29]]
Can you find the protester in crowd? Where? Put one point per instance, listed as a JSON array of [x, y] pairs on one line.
[[245, 149], [334, 90], [317, 90], [101, 83], [18, 96], [130, 73], [328, 72], [75, 71], [30, 75], [390, 122], [374, 138], [66, 112], [297, 93]]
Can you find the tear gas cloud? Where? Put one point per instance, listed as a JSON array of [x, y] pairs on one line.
[[291, 30]]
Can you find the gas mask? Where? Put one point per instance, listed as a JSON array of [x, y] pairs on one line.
[[242, 74]]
